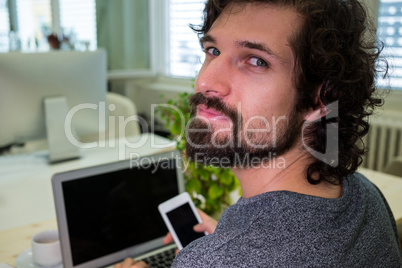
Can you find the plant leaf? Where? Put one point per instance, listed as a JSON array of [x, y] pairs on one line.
[[226, 178], [215, 192], [193, 185]]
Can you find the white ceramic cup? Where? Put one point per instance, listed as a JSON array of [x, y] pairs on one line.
[[46, 248]]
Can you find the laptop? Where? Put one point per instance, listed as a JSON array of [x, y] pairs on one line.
[[109, 212]]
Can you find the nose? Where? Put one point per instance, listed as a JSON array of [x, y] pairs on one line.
[[214, 78]]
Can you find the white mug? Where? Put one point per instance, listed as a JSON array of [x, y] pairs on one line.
[[46, 248]]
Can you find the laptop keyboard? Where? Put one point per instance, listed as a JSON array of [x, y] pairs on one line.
[[162, 259]]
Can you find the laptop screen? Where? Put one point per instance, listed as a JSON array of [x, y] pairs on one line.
[[112, 211]]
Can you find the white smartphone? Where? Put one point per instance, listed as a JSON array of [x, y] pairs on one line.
[[180, 216]]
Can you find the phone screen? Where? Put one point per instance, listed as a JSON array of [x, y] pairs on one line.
[[183, 220]]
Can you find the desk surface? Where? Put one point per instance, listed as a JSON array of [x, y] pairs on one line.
[[23, 211], [16, 240]]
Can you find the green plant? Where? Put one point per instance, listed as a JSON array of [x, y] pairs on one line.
[[209, 186]]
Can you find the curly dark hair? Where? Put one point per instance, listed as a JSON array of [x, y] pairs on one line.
[[336, 50]]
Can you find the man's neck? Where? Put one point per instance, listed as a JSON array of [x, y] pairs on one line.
[[283, 173]]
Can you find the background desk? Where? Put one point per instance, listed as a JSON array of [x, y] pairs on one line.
[[26, 200], [391, 187], [25, 180], [26, 196]]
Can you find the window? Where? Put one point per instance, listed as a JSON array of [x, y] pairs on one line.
[[36, 19], [184, 53], [78, 20], [390, 32], [4, 26]]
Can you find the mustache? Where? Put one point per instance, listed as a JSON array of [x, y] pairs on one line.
[[212, 103]]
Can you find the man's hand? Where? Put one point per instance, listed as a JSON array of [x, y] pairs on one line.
[[208, 225], [130, 263]]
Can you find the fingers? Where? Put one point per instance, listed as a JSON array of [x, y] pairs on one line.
[[130, 263], [140, 264], [208, 224], [168, 239], [125, 264]]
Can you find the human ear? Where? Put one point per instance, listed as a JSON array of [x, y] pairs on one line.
[[319, 111]]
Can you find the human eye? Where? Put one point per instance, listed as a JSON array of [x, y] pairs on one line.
[[213, 51], [257, 62]]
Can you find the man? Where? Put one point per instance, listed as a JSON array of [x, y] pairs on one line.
[[281, 98]]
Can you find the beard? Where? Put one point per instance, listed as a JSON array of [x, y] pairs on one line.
[[237, 146]]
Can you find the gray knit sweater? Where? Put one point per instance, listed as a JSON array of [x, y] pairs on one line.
[[287, 229]]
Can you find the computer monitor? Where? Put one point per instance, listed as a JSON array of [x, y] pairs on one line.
[[28, 79]]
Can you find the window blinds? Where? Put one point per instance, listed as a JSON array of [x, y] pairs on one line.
[[185, 54], [390, 32]]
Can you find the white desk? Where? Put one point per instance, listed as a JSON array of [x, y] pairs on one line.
[[26, 195], [391, 188]]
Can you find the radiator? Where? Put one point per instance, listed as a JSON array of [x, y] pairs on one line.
[[384, 140]]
